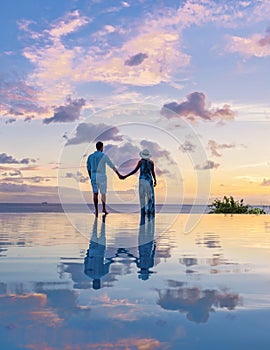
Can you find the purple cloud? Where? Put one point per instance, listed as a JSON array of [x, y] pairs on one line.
[[136, 59], [15, 173], [127, 156], [78, 177], [87, 132], [265, 182], [21, 179], [11, 187], [10, 120], [156, 151], [214, 146], [195, 107], [197, 304], [29, 118], [6, 159], [187, 146], [68, 113], [209, 164]]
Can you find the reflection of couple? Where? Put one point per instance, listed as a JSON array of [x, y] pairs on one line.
[[96, 265], [96, 166]]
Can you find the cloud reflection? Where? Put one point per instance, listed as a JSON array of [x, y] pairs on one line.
[[196, 303]]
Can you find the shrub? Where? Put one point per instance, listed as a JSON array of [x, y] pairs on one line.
[[228, 205]]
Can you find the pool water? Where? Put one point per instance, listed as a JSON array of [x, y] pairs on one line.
[[123, 283]]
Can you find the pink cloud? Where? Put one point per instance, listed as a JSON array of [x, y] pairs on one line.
[[156, 36], [256, 45], [70, 23], [266, 182]]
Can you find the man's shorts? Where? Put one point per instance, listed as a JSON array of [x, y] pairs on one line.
[[99, 183]]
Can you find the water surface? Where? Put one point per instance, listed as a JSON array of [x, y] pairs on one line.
[[134, 285]]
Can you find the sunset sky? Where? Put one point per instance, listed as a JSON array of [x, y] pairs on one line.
[[189, 80]]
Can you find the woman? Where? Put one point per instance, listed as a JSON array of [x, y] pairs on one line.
[[147, 181]]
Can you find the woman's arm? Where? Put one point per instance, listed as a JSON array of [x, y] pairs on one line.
[[154, 174], [135, 170]]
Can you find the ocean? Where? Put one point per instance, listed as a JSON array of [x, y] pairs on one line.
[[79, 208]]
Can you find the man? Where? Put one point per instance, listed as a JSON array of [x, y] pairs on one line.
[[96, 166]]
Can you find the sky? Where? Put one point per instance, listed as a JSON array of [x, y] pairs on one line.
[[189, 80]]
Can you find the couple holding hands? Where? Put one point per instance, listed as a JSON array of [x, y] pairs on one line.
[[96, 167]]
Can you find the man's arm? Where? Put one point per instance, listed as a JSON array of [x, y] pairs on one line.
[[88, 166], [154, 174], [112, 166]]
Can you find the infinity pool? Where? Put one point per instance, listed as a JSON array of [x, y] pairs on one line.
[[123, 283]]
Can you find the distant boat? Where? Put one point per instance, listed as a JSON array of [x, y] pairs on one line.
[[44, 203]]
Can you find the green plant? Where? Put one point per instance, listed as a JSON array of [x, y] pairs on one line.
[[228, 205]]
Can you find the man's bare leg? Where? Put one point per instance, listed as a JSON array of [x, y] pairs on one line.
[[103, 201], [95, 200]]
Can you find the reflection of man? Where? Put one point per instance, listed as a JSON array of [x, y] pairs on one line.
[[147, 247], [96, 167], [95, 265]]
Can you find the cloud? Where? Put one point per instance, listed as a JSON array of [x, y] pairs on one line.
[[11, 187], [209, 164], [156, 151], [10, 120], [256, 45], [6, 159], [61, 64], [87, 132], [15, 173], [127, 156], [70, 23], [195, 303], [54, 70], [55, 63], [78, 177], [136, 59], [32, 179], [68, 113], [214, 146], [265, 182], [29, 118], [195, 107], [266, 39], [18, 98], [187, 146]]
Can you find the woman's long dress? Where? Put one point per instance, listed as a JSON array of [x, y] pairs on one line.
[[146, 188]]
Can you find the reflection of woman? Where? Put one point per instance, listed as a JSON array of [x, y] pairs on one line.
[[147, 181], [147, 248]]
